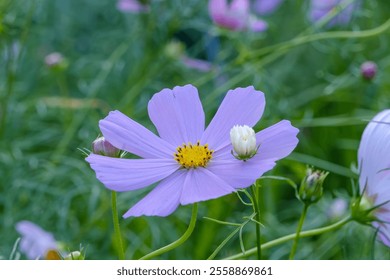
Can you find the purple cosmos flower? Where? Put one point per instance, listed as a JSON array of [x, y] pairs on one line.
[[374, 166], [131, 6], [235, 16], [265, 7], [35, 242], [320, 8], [190, 163]]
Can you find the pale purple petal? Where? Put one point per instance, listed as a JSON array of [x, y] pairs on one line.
[[232, 17], [240, 174], [276, 141], [201, 184], [178, 115], [265, 7], [240, 6], [162, 200], [126, 134], [35, 242], [131, 6], [121, 174], [320, 8], [257, 25], [197, 64], [241, 106], [374, 166], [375, 143]]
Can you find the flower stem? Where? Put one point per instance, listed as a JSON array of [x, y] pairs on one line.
[[289, 237], [117, 230], [256, 208], [179, 241], [299, 228]]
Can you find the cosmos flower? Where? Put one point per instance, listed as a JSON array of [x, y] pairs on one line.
[[374, 166], [320, 8], [235, 16], [131, 6], [265, 7], [189, 163], [35, 242]]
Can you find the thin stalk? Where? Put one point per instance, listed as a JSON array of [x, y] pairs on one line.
[[256, 208], [179, 241], [289, 237], [117, 230], [299, 228]]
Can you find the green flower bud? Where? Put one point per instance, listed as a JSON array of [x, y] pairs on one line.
[[311, 189], [74, 256], [102, 147]]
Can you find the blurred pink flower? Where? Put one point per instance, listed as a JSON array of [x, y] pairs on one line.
[[54, 59], [374, 166], [131, 6], [235, 16], [265, 7], [320, 8]]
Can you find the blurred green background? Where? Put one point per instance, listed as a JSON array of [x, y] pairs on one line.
[[117, 60]]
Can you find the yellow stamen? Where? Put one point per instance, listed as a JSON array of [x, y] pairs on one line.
[[193, 156]]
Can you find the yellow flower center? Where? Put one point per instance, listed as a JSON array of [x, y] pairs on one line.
[[53, 255], [193, 156]]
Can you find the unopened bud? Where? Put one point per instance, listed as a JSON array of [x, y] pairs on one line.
[[76, 255], [102, 147], [243, 139], [311, 189], [174, 49], [368, 70]]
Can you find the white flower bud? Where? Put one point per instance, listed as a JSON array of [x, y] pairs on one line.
[[243, 139]]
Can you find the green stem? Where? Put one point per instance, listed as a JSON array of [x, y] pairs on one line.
[[117, 230], [299, 228], [289, 237], [256, 208], [179, 241]]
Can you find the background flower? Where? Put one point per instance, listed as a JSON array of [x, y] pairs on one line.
[[132, 6], [190, 163], [36, 243], [235, 16], [265, 7], [374, 166], [320, 8]]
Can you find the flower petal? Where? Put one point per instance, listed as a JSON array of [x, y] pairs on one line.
[[240, 174], [276, 141], [241, 106], [201, 184], [257, 25], [121, 174], [177, 114], [162, 200], [126, 134], [375, 143]]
